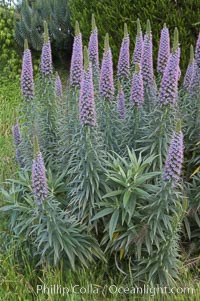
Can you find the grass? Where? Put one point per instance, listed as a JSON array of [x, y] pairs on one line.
[[19, 282], [19, 276], [9, 100]]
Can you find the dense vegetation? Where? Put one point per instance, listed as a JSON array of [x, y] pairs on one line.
[[10, 60], [183, 14], [104, 186]]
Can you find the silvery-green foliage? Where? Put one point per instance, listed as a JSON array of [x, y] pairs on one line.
[[50, 229], [129, 188], [142, 218], [156, 133], [85, 173]]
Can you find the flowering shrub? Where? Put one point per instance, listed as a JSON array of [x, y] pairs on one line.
[[105, 168]]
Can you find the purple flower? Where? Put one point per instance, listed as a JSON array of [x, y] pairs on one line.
[[164, 50], [39, 181], [121, 109], [147, 59], [137, 88], [169, 85], [188, 75], [16, 134], [87, 112], [194, 88], [197, 51], [27, 84], [106, 76], [190, 70], [77, 59], [17, 142], [93, 47], [138, 50], [58, 86], [19, 158], [124, 57], [46, 67], [173, 165]]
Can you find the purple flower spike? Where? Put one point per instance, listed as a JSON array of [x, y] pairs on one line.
[[190, 70], [93, 47], [194, 88], [169, 86], [197, 51], [106, 77], [87, 112], [16, 134], [17, 142], [173, 165], [137, 89], [39, 180], [124, 57], [147, 59], [19, 158], [27, 84], [164, 50], [58, 86], [77, 59], [121, 102], [46, 67], [138, 50]]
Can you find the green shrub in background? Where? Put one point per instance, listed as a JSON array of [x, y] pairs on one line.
[[111, 14], [29, 25], [10, 59]]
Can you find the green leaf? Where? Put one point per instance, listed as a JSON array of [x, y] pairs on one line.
[[126, 197], [113, 223], [103, 213], [112, 193]]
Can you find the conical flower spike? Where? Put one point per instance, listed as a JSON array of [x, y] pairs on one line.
[[194, 88], [27, 84], [169, 86], [138, 50], [39, 181], [124, 57], [58, 85], [87, 114], [137, 89], [106, 77], [77, 59], [173, 165], [121, 102], [17, 142], [190, 70], [164, 50], [46, 66], [93, 47], [147, 59]]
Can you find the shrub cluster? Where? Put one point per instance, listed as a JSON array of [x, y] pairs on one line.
[[183, 14], [102, 169]]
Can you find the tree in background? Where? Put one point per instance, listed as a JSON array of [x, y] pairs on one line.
[[10, 61], [29, 24], [112, 14]]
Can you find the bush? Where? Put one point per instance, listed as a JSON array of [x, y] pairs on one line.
[[10, 60], [111, 14], [104, 168]]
